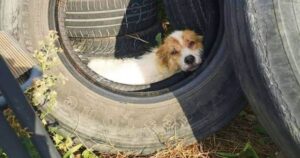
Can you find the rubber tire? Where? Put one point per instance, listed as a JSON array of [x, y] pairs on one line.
[[264, 36], [107, 18], [112, 122]]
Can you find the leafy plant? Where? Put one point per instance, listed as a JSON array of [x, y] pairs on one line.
[[46, 55], [71, 152], [247, 152], [158, 38], [261, 130], [87, 153], [62, 143], [2, 154], [30, 147], [42, 93]]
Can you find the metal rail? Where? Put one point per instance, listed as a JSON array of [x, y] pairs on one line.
[[25, 113]]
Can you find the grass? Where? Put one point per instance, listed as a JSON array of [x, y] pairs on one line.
[[242, 130], [2, 154]]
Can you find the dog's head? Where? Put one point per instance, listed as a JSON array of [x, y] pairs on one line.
[[181, 50]]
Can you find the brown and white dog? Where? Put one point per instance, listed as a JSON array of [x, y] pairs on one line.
[[181, 50]]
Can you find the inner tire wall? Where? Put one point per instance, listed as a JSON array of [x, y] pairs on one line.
[[131, 45], [109, 18]]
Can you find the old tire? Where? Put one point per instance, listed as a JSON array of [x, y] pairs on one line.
[[265, 38], [138, 121]]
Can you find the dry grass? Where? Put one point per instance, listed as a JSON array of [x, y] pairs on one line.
[[231, 139], [241, 130], [182, 151], [11, 118]]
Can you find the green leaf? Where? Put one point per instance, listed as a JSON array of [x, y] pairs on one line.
[[227, 155], [259, 129], [2, 154], [158, 38], [72, 151], [57, 138], [69, 142], [30, 147], [242, 113], [248, 152], [52, 130], [88, 154]]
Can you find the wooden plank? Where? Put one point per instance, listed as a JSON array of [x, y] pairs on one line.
[[19, 61]]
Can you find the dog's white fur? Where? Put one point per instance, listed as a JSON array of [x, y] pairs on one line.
[[144, 70], [130, 70], [177, 35]]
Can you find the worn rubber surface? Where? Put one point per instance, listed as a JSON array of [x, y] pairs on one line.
[[109, 18], [110, 121], [265, 38], [130, 45]]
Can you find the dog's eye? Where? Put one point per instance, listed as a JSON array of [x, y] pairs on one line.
[[191, 44], [174, 52]]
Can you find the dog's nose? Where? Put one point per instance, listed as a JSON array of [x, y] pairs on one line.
[[189, 60]]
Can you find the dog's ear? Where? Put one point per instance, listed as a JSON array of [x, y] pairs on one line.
[[201, 38], [163, 55]]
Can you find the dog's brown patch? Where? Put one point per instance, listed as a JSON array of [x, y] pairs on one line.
[[169, 54], [192, 40]]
